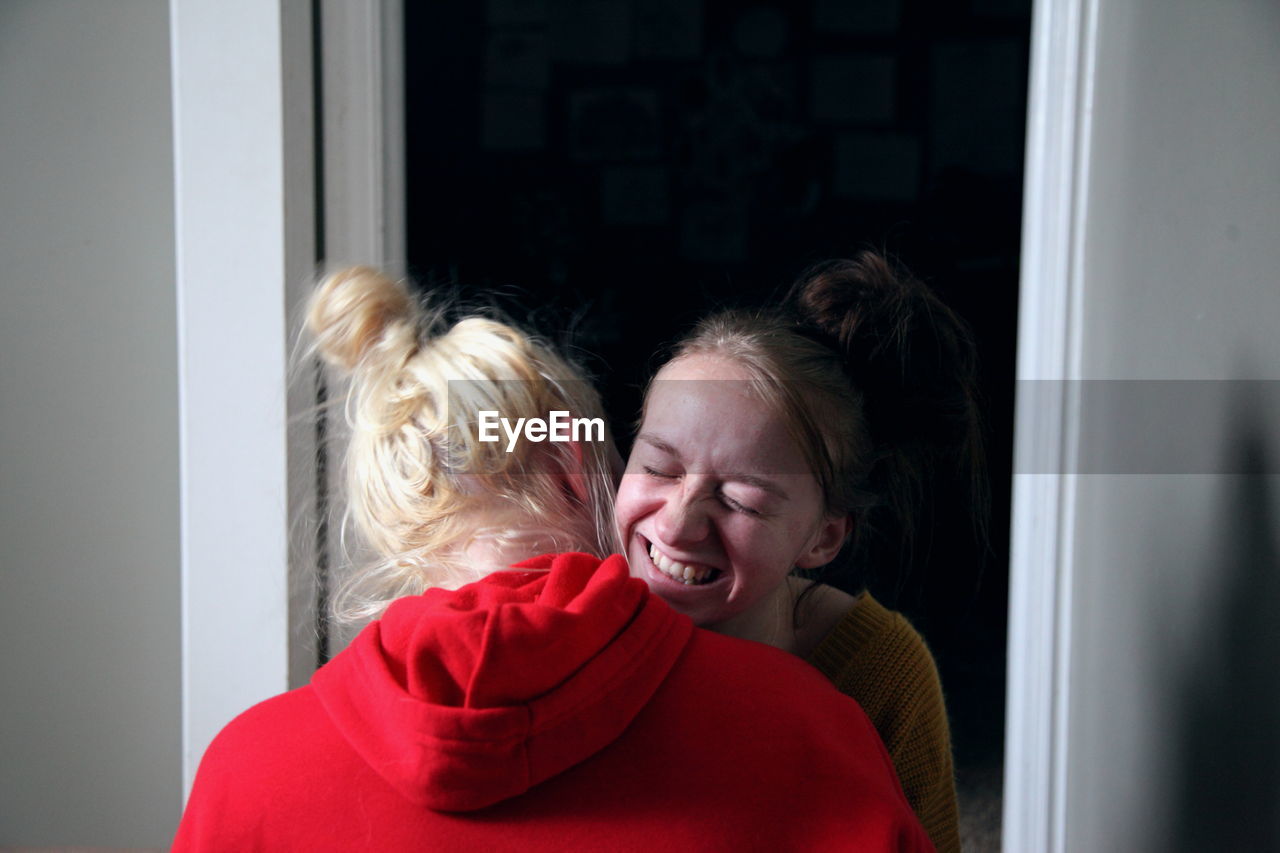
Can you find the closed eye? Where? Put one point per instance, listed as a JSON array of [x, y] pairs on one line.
[[736, 506], [661, 475]]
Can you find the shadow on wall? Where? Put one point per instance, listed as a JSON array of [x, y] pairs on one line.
[[1227, 791]]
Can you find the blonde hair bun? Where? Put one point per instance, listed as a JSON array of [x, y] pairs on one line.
[[422, 487], [359, 310]]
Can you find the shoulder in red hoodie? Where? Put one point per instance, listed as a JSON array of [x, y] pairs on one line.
[[557, 707]]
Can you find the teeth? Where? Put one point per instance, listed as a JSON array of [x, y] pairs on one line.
[[687, 575]]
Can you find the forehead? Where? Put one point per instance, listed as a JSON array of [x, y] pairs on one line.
[[707, 411]]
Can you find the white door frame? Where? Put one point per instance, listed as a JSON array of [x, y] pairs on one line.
[[246, 246], [364, 171], [1047, 416]]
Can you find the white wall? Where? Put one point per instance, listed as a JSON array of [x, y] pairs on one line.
[[1173, 572], [89, 585]]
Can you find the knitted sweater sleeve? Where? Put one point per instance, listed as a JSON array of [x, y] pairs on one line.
[[874, 655]]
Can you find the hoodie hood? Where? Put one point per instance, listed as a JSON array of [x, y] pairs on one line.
[[463, 698]]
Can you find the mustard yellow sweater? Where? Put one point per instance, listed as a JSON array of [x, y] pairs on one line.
[[874, 655]]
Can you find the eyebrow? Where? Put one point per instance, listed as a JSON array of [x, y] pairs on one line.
[[654, 441], [761, 483]]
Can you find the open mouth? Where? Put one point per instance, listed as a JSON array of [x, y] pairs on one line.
[[681, 572]]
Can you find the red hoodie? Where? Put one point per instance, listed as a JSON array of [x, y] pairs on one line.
[[566, 709]]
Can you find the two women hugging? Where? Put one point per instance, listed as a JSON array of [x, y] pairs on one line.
[[560, 652]]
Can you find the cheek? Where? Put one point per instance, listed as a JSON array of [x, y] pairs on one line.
[[748, 545], [765, 555], [635, 500]]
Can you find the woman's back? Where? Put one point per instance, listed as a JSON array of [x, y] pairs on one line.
[[565, 708]]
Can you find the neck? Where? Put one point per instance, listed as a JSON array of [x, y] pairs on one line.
[[501, 536], [775, 621], [769, 621], [496, 550]]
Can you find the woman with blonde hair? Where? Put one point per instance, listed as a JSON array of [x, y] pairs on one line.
[[550, 704], [439, 506]]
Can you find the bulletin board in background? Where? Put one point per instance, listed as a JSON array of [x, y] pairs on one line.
[[610, 169]]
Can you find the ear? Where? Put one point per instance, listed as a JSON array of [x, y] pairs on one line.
[[826, 542]]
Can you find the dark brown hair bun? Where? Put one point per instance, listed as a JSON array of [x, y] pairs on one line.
[[915, 361], [912, 357]]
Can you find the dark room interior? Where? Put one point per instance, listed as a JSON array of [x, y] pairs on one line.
[[606, 172]]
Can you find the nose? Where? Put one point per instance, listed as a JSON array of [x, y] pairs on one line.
[[683, 520]]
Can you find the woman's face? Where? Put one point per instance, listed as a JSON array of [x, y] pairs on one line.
[[717, 504]]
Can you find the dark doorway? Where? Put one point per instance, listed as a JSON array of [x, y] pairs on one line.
[[609, 170]]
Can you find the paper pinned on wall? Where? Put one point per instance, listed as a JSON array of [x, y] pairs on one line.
[[877, 166], [761, 32], [668, 29], [513, 121], [977, 111], [634, 195], [864, 17], [596, 32], [1001, 8], [517, 60], [853, 89], [714, 232], [515, 13], [615, 124]]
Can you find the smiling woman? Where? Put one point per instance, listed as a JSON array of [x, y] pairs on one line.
[[772, 443], [711, 458]]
